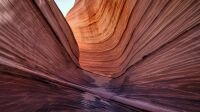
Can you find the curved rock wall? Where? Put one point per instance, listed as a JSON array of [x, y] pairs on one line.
[[29, 43], [114, 35]]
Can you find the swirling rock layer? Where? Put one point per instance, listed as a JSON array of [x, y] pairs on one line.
[[114, 35], [149, 51]]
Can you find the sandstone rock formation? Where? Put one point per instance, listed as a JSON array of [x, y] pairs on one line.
[[121, 32], [113, 56]]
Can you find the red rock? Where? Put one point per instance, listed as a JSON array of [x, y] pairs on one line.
[[121, 55]]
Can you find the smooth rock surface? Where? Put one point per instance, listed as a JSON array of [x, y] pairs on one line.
[[114, 35], [113, 56]]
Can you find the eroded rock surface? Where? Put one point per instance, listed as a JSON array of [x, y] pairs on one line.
[[113, 56]]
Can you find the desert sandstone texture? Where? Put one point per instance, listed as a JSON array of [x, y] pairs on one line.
[[104, 56]]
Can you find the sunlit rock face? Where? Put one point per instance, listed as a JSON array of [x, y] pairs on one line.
[[148, 52], [115, 34]]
